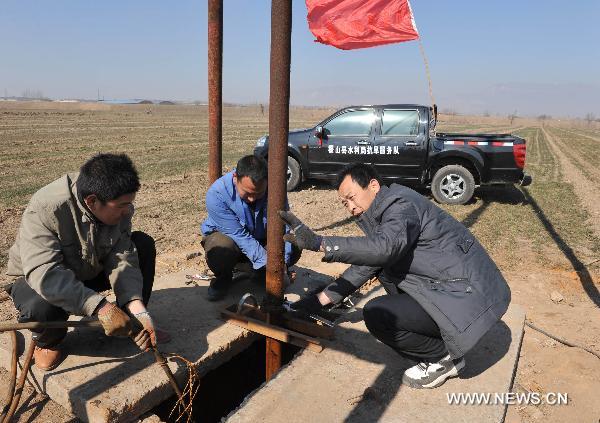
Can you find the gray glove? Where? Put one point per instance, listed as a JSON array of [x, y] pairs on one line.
[[144, 334], [303, 237]]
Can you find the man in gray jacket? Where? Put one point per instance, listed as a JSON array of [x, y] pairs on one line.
[[444, 291], [75, 240]]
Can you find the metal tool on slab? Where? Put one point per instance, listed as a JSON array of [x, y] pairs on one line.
[[292, 327], [198, 277], [288, 305], [247, 301]]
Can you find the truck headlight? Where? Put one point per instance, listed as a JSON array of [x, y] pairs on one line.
[[261, 141]]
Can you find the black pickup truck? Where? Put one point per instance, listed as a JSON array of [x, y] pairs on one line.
[[401, 142]]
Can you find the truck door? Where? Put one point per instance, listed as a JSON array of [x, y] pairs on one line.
[[347, 138], [400, 145]]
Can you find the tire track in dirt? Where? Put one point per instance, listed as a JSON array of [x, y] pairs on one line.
[[571, 131], [578, 156], [584, 188], [546, 159], [534, 157], [586, 167]]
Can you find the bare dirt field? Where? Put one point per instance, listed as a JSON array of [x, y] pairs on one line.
[[545, 238]]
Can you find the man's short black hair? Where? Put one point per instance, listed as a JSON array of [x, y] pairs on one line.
[[108, 176], [360, 173], [253, 167]]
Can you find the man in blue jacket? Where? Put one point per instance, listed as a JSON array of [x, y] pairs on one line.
[[235, 231], [444, 291]]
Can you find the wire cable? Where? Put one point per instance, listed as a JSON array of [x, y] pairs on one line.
[[561, 340]]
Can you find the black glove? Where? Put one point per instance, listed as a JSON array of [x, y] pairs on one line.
[[339, 289], [309, 304], [312, 307], [303, 237]]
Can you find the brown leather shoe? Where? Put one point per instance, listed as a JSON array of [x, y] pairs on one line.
[[47, 358]]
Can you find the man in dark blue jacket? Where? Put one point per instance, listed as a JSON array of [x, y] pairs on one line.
[[444, 291], [235, 231]]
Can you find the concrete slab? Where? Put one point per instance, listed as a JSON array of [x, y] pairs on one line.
[[107, 379], [358, 379]]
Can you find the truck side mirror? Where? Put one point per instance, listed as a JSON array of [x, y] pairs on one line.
[[319, 132]]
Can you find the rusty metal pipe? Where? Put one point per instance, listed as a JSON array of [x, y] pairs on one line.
[[19, 390], [162, 362], [13, 377], [279, 112], [6, 326], [14, 395], [215, 89]]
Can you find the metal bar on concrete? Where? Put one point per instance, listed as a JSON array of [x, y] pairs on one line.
[[215, 88], [275, 332], [279, 111]]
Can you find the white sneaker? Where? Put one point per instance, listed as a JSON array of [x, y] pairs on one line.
[[432, 375]]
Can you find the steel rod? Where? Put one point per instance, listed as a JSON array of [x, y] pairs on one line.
[[19, 390], [215, 89], [13, 377], [279, 109], [5, 326], [162, 362], [282, 334]]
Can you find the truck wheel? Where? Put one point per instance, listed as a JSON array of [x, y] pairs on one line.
[[294, 174], [453, 184]]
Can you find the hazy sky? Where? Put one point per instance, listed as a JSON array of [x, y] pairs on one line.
[[532, 57]]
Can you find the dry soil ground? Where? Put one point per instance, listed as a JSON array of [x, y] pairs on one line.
[[545, 237]]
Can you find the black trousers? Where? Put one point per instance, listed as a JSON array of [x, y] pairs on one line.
[[223, 256], [33, 308], [398, 321]]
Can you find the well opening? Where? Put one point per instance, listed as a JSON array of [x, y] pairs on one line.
[[224, 388]]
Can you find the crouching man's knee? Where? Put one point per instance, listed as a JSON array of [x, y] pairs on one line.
[[375, 317], [144, 244], [222, 253]]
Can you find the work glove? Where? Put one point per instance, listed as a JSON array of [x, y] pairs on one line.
[[289, 277], [144, 334], [339, 289], [309, 304], [303, 237], [115, 321], [312, 307]]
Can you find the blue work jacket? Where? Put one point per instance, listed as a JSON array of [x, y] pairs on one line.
[[230, 215]]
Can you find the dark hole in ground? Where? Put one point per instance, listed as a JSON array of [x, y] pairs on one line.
[[223, 389]]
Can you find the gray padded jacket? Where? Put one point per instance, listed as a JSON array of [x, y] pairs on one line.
[[412, 245]]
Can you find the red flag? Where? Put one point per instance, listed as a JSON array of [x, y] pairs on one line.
[[351, 24]]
